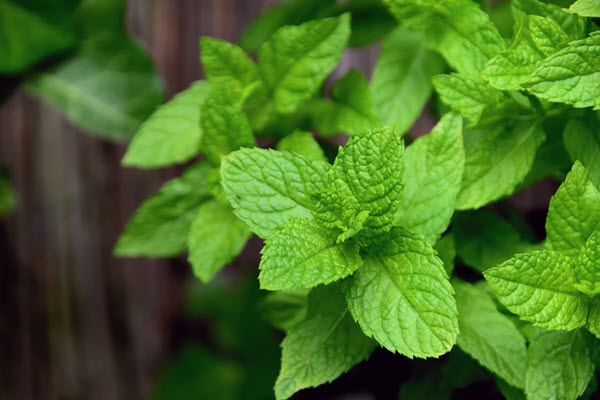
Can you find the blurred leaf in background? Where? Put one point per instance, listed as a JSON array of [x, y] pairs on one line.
[[33, 30], [7, 195], [76, 55], [109, 87], [243, 359]]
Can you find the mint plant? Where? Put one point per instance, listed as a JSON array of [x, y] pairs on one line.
[[415, 249]]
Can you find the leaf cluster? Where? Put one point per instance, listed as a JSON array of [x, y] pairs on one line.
[[360, 252]]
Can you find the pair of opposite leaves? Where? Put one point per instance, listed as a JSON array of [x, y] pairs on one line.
[[324, 223]]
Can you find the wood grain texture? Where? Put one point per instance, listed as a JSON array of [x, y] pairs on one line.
[[75, 322]]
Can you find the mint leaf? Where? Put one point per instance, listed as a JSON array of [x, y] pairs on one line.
[[551, 158], [582, 141], [593, 324], [351, 109], [297, 59], [510, 392], [267, 188], [401, 296], [109, 87], [303, 143], [546, 34], [368, 170], [559, 366], [586, 8], [497, 161], [587, 271], [224, 125], [458, 29], [446, 251], [286, 13], [370, 21], [573, 26], [172, 134], [484, 239], [436, 163], [471, 96], [226, 63], [569, 75], [32, 32], [540, 288], [536, 36], [284, 309], [323, 346], [489, 336], [304, 254], [574, 212], [216, 237], [510, 69], [401, 81], [96, 16], [159, 228]]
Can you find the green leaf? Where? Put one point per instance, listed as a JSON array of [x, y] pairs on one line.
[[96, 16], [401, 81], [458, 29], [216, 237], [284, 309], [446, 251], [434, 165], [582, 141], [559, 366], [546, 34], [196, 373], [551, 158], [31, 32], [172, 134], [286, 13], [540, 288], [571, 24], [368, 171], [323, 346], [569, 76], [508, 70], [303, 143], [267, 188], [488, 335], [350, 110], [304, 254], [510, 392], [536, 36], [401, 296], [370, 21], [497, 161], [593, 323], [471, 96], [226, 64], [8, 199], [484, 239], [109, 87], [224, 124], [297, 59], [587, 271], [586, 8], [574, 212], [159, 228]]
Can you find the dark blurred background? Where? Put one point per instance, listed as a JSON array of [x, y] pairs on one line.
[[75, 322]]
